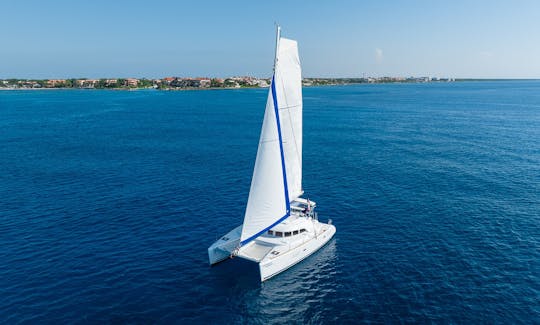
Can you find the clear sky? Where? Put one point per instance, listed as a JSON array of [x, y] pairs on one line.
[[95, 38]]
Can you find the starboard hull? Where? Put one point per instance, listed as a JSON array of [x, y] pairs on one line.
[[271, 267]]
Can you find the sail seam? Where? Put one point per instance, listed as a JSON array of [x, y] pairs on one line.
[[289, 107]]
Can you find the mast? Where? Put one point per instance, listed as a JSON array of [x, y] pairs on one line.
[[278, 35]]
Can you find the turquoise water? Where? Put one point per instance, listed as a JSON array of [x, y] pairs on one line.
[[109, 200]]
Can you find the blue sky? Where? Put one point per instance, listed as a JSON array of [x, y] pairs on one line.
[[463, 39]]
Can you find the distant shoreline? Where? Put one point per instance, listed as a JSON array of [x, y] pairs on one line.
[[183, 84], [177, 83]]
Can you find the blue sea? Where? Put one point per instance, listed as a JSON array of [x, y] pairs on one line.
[[110, 199]]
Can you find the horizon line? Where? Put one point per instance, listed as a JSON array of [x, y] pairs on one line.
[[248, 76]]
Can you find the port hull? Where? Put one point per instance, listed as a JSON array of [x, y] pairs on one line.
[[223, 247]]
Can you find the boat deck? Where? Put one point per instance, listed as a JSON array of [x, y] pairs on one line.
[[256, 251]]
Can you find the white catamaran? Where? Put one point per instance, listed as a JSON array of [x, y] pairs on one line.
[[280, 228]]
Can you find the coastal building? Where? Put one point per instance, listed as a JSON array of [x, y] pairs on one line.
[[132, 82], [168, 80], [205, 83], [87, 83], [55, 82], [263, 83]]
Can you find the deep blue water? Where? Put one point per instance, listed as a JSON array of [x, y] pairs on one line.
[[109, 200]]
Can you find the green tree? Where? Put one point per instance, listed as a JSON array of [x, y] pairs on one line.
[[145, 83], [102, 83], [214, 83]]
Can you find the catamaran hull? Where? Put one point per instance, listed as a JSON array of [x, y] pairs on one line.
[[223, 247], [276, 265]]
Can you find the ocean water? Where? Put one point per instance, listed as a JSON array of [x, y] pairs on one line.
[[109, 200]]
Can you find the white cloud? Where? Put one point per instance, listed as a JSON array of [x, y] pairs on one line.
[[378, 55]]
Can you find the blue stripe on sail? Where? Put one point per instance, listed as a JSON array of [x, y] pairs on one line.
[[287, 203], [264, 230]]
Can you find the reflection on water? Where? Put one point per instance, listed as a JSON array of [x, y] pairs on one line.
[[291, 296], [295, 293]]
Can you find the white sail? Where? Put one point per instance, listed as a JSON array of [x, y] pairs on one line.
[[288, 81], [277, 176], [266, 202]]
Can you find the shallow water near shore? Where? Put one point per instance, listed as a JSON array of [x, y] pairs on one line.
[[109, 200]]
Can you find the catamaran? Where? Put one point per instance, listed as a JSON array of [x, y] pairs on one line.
[[280, 227]]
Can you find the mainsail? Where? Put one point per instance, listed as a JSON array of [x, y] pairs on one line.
[[288, 83], [277, 176]]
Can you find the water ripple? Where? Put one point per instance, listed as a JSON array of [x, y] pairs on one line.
[[109, 200]]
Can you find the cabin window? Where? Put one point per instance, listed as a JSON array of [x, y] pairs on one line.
[[279, 234], [270, 232], [288, 234], [295, 232], [302, 230]]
